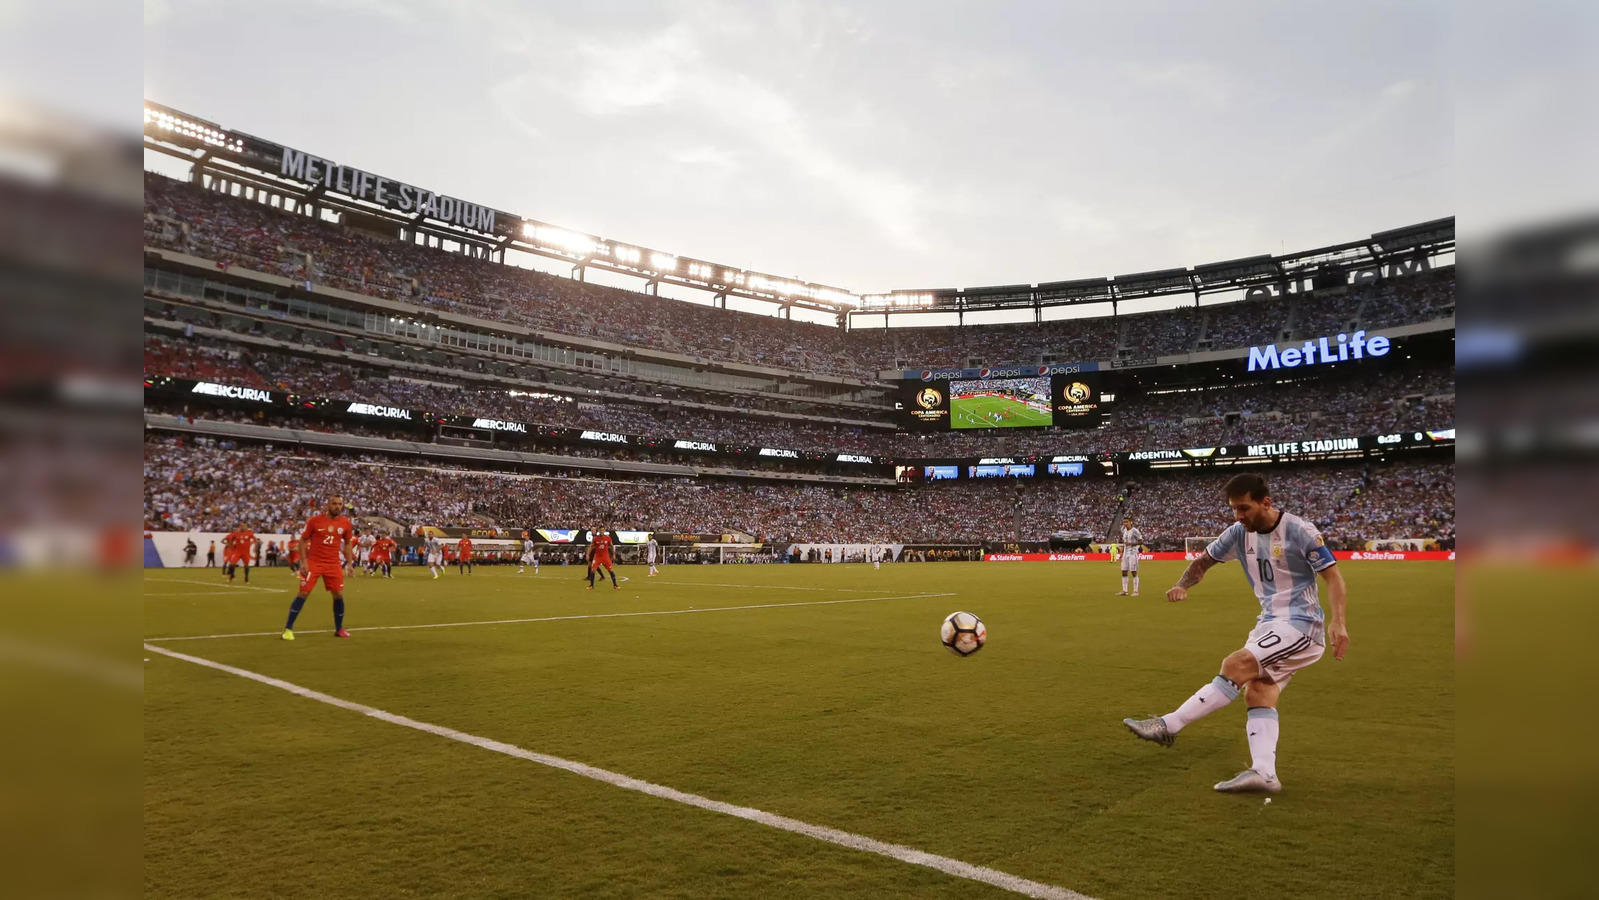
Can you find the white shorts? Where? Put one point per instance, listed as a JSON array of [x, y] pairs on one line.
[[1129, 561], [435, 559], [1282, 649]]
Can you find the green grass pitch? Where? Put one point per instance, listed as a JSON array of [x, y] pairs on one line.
[[972, 412], [843, 714]]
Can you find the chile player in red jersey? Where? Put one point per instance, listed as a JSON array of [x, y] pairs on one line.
[[329, 542], [599, 554], [382, 555], [237, 547], [464, 556]]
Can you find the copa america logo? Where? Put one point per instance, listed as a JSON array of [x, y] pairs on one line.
[[1077, 392]]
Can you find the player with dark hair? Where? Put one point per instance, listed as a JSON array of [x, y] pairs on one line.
[[329, 539], [463, 559], [599, 554], [382, 555], [238, 546], [1281, 554], [1132, 546]]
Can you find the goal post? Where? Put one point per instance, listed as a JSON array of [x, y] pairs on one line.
[[1193, 546]]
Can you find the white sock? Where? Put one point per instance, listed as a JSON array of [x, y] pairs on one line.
[[1261, 725], [1135, 584], [1124, 582], [1213, 696]]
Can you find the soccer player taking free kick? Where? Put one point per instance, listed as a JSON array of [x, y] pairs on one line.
[[1281, 554]]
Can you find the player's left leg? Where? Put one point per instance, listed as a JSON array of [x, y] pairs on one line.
[[1124, 584], [1278, 660], [338, 615], [612, 572], [1134, 571]]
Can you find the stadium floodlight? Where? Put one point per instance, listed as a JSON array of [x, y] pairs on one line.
[[191, 128], [564, 240], [663, 262], [626, 254]]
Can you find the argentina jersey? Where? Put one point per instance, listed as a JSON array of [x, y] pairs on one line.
[[1281, 566]]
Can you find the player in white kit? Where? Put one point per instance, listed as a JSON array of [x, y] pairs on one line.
[[652, 554], [1281, 554], [529, 557], [435, 552], [1132, 545], [363, 551]]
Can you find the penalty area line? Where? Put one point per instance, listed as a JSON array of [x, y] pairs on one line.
[[957, 868], [615, 615]]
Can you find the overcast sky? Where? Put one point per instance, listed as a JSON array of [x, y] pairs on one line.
[[870, 146]]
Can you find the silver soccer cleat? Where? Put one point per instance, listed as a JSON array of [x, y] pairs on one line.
[[1151, 729], [1250, 782]]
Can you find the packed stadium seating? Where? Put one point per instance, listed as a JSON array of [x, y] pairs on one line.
[[205, 485], [235, 232], [1416, 397], [199, 483]]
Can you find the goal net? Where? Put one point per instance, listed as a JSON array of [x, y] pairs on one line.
[[1193, 546]]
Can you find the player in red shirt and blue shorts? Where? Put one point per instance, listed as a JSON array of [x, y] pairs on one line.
[[600, 555], [329, 542]]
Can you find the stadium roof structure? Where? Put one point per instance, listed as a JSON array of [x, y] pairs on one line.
[[312, 184]]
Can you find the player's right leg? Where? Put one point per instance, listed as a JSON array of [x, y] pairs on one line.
[[307, 583], [1237, 670], [1124, 584]]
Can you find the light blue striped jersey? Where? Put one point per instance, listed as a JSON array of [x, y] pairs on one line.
[[1281, 566]]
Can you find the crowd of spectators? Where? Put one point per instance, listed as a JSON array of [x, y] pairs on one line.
[[1395, 399], [200, 484], [251, 235]]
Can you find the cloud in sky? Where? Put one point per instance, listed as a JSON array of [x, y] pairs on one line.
[[890, 145]]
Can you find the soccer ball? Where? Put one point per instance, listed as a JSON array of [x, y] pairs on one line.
[[963, 633]]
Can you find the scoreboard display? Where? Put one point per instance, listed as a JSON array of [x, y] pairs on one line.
[[1060, 400]]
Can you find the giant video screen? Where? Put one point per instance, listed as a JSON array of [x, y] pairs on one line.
[[1061, 400], [1000, 403]]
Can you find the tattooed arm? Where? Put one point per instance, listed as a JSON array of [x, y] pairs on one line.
[[1191, 576]]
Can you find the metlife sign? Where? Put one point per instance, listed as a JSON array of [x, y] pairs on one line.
[[232, 392], [395, 195], [1318, 352]]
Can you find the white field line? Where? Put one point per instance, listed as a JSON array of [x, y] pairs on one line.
[[726, 585], [617, 615], [954, 867], [224, 584], [190, 593]]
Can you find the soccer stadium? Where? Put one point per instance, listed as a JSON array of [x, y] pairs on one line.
[[797, 482]]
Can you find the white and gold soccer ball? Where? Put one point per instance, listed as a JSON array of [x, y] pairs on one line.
[[963, 633]]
